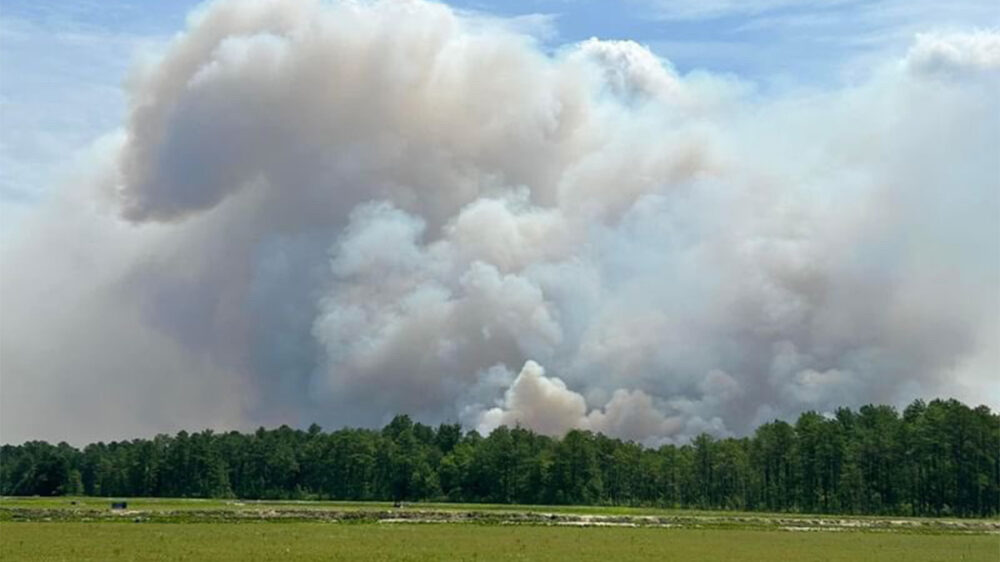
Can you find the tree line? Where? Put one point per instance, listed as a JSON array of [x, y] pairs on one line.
[[937, 458]]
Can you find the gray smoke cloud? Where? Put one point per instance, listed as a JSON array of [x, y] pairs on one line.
[[339, 212]]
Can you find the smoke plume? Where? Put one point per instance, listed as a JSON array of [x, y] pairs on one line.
[[339, 212]]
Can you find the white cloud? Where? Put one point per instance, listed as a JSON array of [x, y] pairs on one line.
[[546, 405], [950, 53], [339, 212]]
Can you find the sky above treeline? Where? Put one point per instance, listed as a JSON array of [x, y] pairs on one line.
[[650, 218]]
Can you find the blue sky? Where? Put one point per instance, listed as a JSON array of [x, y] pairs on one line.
[[62, 64]]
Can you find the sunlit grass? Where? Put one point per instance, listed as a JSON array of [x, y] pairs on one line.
[[432, 542]]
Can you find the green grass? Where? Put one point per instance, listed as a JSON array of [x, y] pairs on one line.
[[223, 504], [194, 511], [195, 504], [432, 542], [50, 529]]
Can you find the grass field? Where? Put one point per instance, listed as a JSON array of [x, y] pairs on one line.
[[432, 542], [51, 529], [71, 504]]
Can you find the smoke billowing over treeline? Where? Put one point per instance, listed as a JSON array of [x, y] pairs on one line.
[[340, 211], [941, 458]]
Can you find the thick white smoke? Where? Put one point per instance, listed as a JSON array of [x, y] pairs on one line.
[[546, 405], [341, 212]]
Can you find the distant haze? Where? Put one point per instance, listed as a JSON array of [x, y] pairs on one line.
[[340, 212]]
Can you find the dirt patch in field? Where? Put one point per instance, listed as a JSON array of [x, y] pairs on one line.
[[410, 515]]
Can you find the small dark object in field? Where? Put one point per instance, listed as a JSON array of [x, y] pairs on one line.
[[72, 502], [398, 504], [119, 505]]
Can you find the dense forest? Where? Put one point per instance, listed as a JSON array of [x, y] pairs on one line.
[[937, 458]]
